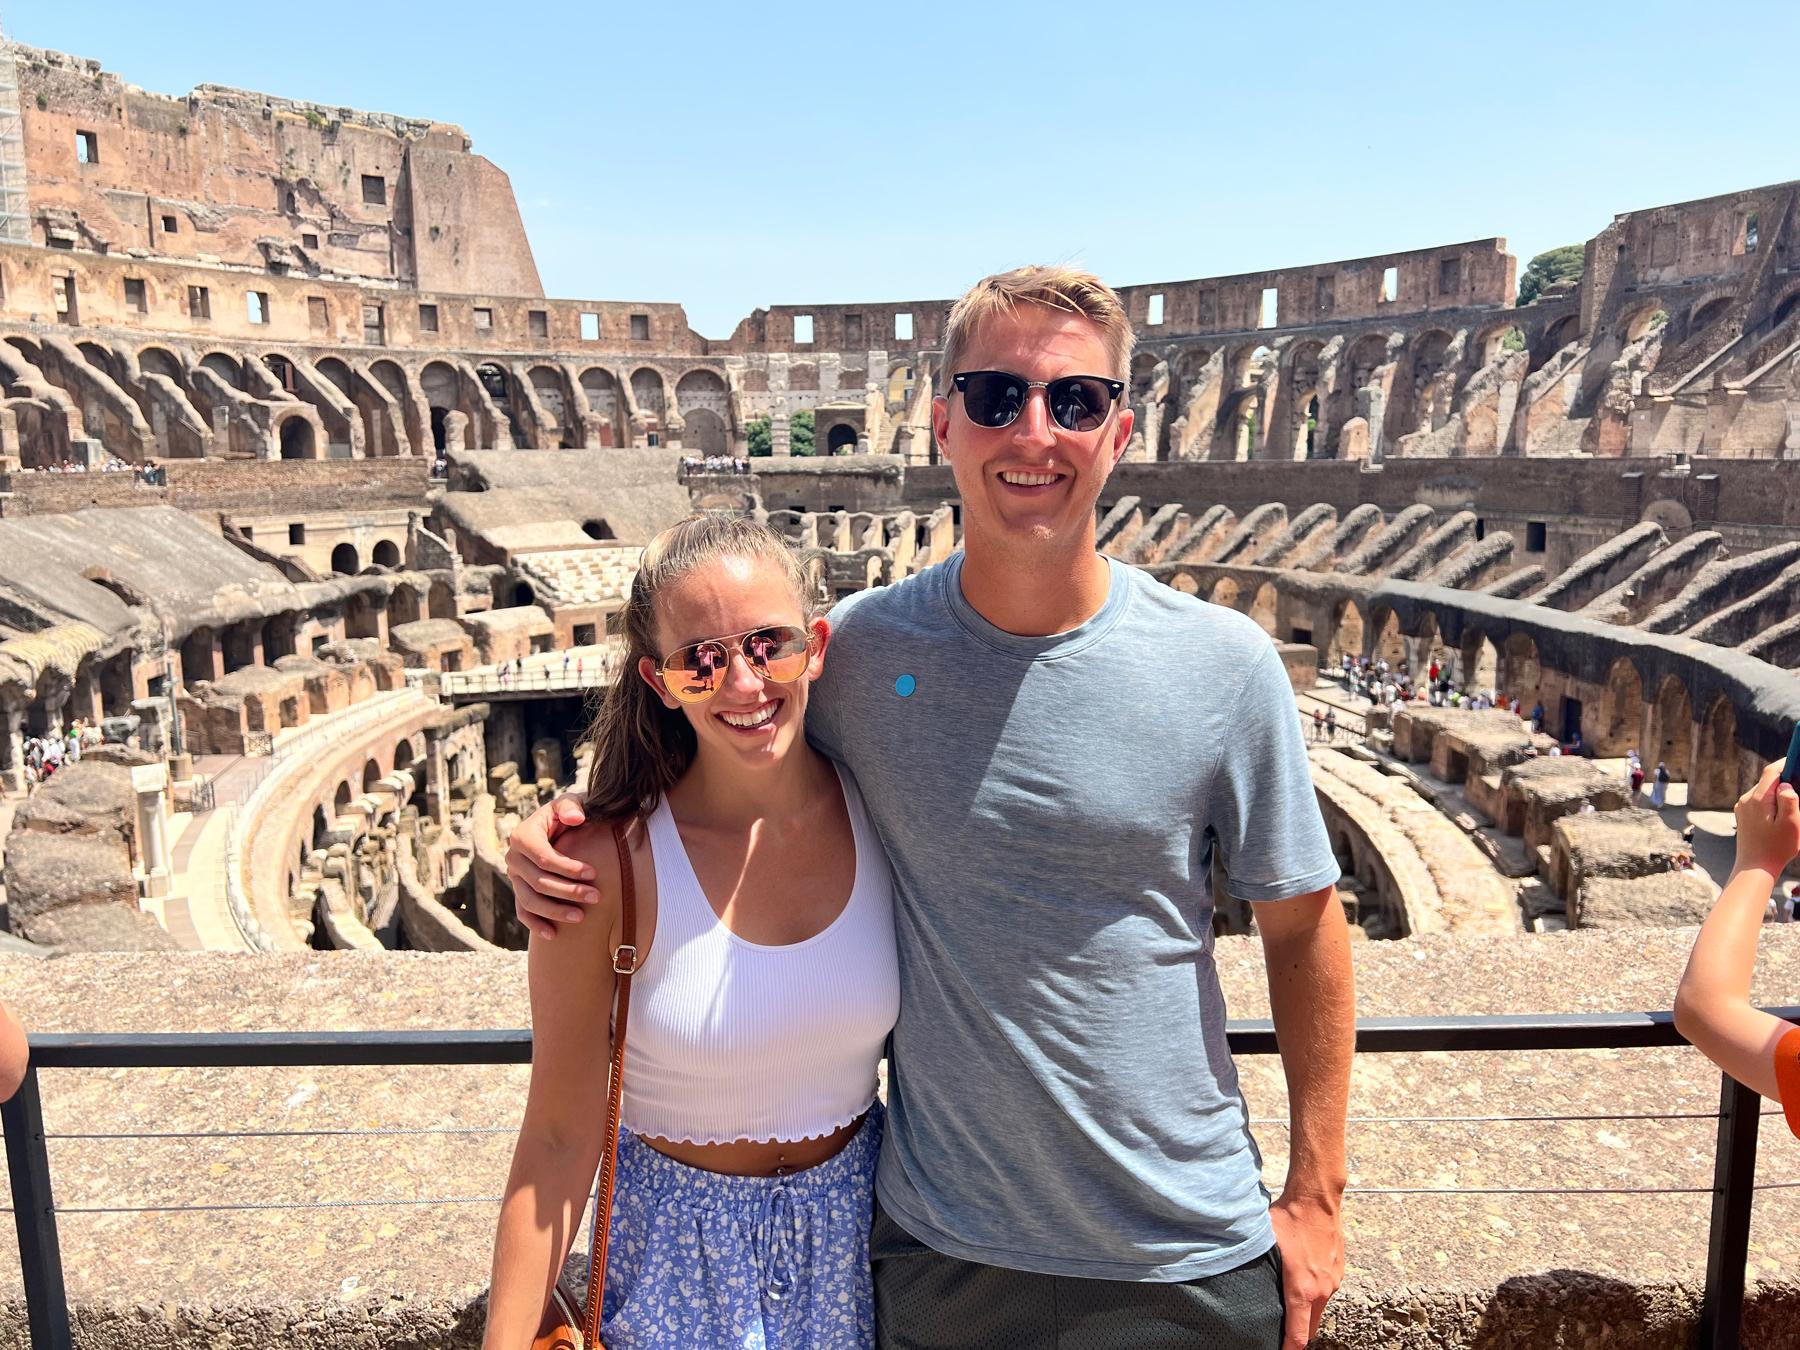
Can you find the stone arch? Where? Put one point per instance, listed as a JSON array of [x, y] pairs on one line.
[[841, 439], [345, 560], [1346, 633], [1365, 356], [386, 553], [403, 606], [341, 800], [1480, 662], [1621, 720], [705, 432], [550, 385], [1493, 341], [1703, 314], [227, 367], [1387, 642], [1521, 672], [403, 755], [441, 601], [1185, 583], [1671, 729], [1225, 592], [1428, 645], [1263, 607], [371, 775], [297, 439], [601, 389], [1785, 308], [497, 383], [1425, 399], [1714, 780], [1642, 321], [650, 392], [442, 387], [161, 361]]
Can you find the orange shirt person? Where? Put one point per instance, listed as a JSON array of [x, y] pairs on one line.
[[1712, 1005]]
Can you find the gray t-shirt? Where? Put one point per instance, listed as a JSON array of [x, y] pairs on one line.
[[1061, 1096]]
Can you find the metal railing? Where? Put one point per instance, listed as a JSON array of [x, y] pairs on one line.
[[35, 1212]]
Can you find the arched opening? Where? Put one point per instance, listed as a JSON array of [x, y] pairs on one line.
[[1671, 729], [1786, 310], [1520, 671], [841, 440], [1621, 711], [1225, 592], [386, 554], [320, 827], [403, 756], [371, 776], [297, 440], [341, 802], [522, 594], [1390, 642], [344, 560], [548, 385], [1646, 321], [1713, 782], [226, 368], [1346, 633], [1709, 313], [403, 606], [1557, 336], [1308, 447], [597, 529], [441, 602], [602, 393], [1481, 664], [1263, 606], [1428, 646]]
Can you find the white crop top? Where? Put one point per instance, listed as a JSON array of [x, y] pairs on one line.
[[734, 1040]]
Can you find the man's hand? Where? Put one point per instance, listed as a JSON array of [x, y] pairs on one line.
[[548, 887], [1311, 1237]]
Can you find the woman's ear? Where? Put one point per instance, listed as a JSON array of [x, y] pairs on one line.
[[647, 671], [819, 634]]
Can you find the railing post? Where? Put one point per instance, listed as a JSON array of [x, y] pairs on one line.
[[1728, 1239], [40, 1254]]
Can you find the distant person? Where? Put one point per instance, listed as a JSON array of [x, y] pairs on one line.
[[1318, 724], [1635, 772], [1712, 1003], [1331, 726], [1659, 792]]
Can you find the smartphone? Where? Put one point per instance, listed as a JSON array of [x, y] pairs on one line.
[[1791, 773]]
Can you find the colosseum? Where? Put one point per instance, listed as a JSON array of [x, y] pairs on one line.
[[317, 515]]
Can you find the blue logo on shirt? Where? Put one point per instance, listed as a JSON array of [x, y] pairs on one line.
[[905, 685]]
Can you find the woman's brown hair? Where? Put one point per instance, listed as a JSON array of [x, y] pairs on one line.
[[641, 746]]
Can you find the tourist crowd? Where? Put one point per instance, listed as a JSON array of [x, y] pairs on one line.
[[44, 755], [714, 464], [150, 475]]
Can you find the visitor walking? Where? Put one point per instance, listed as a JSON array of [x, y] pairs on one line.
[[1659, 793], [1331, 726], [1318, 724]]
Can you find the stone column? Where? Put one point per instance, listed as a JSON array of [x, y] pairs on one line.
[[151, 784], [780, 439], [56, 698], [12, 747]]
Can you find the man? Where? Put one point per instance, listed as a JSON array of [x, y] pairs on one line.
[[1067, 1158]]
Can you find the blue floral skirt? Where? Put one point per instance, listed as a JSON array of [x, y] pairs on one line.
[[702, 1261]]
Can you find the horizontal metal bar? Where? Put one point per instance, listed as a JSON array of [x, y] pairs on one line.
[[247, 1049]]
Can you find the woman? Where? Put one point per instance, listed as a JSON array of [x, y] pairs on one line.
[[1712, 1005], [766, 984], [1659, 792]]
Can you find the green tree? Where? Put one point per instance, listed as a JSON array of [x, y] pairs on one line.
[[760, 438], [1559, 264]]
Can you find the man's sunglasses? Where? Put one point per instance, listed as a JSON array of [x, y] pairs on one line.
[[693, 674], [995, 398]]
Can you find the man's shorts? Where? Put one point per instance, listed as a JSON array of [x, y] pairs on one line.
[[925, 1300]]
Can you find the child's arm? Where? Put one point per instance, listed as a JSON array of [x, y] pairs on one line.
[[1712, 1005]]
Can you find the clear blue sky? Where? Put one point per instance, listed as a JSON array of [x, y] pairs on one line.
[[728, 156]]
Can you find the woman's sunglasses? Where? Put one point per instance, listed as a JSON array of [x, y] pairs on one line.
[[995, 398], [693, 674]]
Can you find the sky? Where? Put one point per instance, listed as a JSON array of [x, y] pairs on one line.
[[731, 156]]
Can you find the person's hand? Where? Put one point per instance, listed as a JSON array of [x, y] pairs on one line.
[[1311, 1238], [1768, 823], [549, 888]]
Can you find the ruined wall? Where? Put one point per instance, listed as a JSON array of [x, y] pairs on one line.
[[251, 180]]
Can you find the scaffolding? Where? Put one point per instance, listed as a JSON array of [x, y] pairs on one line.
[[15, 203]]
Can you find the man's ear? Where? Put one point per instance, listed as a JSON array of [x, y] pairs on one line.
[[647, 671], [940, 423], [1122, 433]]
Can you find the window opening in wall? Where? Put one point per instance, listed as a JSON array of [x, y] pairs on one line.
[[170, 225], [1536, 536], [1480, 529], [199, 302], [1390, 285], [428, 318], [803, 330], [903, 329], [537, 323], [484, 319], [590, 327], [1154, 315], [374, 190], [853, 331], [135, 297], [1324, 295], [256, 306], [64, 288], [309, 241], [288, 203], [1269, 311], [584, 635], [318, 317], [374, 326], [653, 440], [1747, 234], [248, 533], [1449, 276], [296, 534], [640, 327], [87, 147]]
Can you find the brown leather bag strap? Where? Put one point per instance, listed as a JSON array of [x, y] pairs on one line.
[[625, 963]]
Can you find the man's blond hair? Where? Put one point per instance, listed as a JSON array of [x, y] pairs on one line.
[[1064, 288]]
